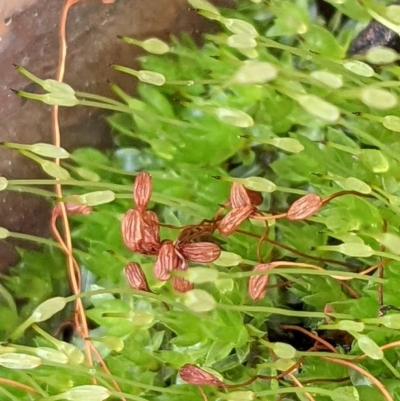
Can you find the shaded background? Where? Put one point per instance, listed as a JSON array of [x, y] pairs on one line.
[[29, 37]]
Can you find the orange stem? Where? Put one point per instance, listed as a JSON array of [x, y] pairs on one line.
[[363, 372], [12, 383]]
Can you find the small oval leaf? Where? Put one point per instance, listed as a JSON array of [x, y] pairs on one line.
[[87, 175], [392, 123], [155, 46], [393, 13], [359, 68], [241, 396], [354, 184], [390, 241], [54, 170], [3, 183], [240, 27], [49, 150], [19, 361], [283, 350], [204, 5], [234, 117], [259, 184], [51, 355], [141, 318], [391, 321], [350, 325], [151, 77], [4, 233], [97, 198], [59, 99], [51, 85], [87, 393], [113, 343], [74, 354], [287, 144], [48, 308], [355, 249], [199, 301], [199, 275], [381, 55], [320, 108], [228, 259], [241, 41], [347, 393], [255, 72], [369, 347], [374, 160], [377, 98], [329, 79]]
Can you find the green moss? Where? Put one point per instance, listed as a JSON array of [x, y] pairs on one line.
[[306, 121]]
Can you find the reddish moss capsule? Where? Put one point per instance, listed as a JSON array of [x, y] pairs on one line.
[[151, 228], [239, 196], [142, 190], [132, 230], [167, 261], [135, 277], [304, 207], [191, 233], [72, 209], [255, 197], [201, 252], [233, 219], [181, 285], [258, 284], [194, 375]]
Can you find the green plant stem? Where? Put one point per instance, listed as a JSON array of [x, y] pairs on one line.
[[311, 272], [126, 109], [282, 312], [101, 99], [72, 182], [329, 354], [391, 368], [8, 394], [107, 168], [129, 291], [172, 202], [191, 83], [334, 64], [106, 384], [31, 190], [241, 308], [33, 238], [295, 390], [387, 255], [89, 372], [291, 191], [128, 396], [387, 84], [8, 299], [33, 384], [156, 197], [21, 329], [43, 241]]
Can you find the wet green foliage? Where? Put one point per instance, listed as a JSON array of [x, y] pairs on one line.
[[273, 96]]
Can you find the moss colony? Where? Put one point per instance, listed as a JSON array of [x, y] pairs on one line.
[[260, 257]]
